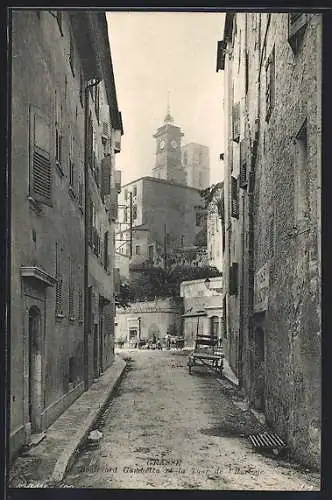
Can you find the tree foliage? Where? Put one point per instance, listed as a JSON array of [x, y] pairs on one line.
[[159, 283]]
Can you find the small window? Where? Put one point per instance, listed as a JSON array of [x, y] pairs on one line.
[[134, 212], [138, 250], [198, 219], [134, 190], [185, 158]]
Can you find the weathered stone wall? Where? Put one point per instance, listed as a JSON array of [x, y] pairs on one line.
[[281, 370], [156, 317]]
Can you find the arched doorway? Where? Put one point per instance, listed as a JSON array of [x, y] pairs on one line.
[[35, 369]]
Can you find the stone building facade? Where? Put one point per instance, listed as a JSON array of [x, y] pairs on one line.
[[272, 257], [166, 216], [62, 80], [142, 320], [202, 305]]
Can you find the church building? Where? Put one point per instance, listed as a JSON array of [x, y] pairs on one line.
[[163, 220]]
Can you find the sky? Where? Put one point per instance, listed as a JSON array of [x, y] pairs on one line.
[[159, 53]]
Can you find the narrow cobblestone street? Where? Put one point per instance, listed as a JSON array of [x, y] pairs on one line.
[[166, 429]]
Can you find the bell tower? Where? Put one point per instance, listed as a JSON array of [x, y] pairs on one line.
[[168, 164]]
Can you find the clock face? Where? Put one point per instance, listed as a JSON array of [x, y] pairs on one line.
[[162, 144], [174, 144]]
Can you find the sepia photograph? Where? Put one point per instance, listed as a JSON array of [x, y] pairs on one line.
[[165, 249]]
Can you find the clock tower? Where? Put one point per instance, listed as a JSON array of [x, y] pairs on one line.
[[168, 164]]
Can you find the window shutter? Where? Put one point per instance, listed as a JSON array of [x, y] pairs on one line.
[[243, 165], [58, 296], [106, 175], [297, 22], [106, 250], [221, 54], [236, 122], [235, 198], [40, 173], [233, 279]]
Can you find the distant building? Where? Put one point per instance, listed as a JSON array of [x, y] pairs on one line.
[[62, 250], [166, 217], [216, 229], [203, 309], [168, 152], [196, 164]]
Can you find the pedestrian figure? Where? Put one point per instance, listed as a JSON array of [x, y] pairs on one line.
[[168, 341]]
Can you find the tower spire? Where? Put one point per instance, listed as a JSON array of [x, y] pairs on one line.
[[168, 118]]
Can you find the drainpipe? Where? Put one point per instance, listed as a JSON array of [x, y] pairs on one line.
[[90, 84]]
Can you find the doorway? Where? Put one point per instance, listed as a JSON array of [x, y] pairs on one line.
[[259, 368], [35, 369]]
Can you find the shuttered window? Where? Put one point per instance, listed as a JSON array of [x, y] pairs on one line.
[[106, 250], [70, 290], [106, 175], [40, 166], [233, 279], [270, 84], [58, 289], [236, 122], [243, 165], [234, 198]]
